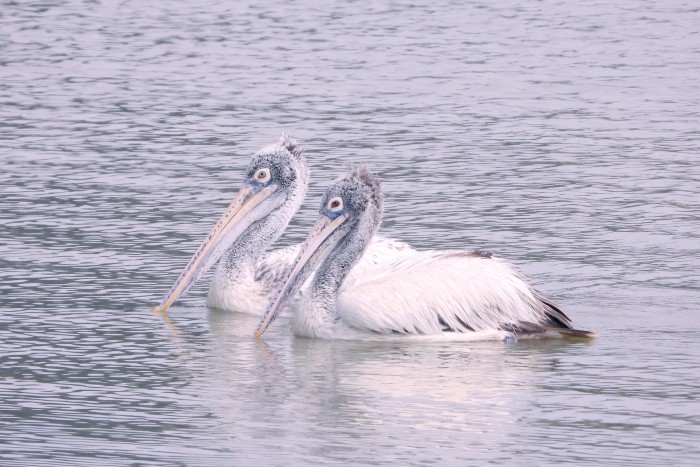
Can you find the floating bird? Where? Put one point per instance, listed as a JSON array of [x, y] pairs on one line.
[[275, 185], [444, 294]]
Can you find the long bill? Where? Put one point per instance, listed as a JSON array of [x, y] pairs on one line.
[[325, 235], [230, 226]]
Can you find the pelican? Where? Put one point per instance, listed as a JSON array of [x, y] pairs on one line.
[[274, 187], [430, 293]]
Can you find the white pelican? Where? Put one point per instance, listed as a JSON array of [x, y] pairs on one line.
[[274, 187], [427, 294]]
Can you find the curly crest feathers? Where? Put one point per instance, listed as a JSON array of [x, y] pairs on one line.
[[364, 182], [290, 144]]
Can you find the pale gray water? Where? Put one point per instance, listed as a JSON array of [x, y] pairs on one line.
[[561, 135]]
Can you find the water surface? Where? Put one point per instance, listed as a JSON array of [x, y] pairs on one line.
[[561, 136]]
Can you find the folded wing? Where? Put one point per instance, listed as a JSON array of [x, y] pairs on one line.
[[431, 292]]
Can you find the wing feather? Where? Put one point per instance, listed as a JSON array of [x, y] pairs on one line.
[[432, 291]]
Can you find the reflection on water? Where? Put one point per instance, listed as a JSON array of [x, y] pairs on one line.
[[561, 136]]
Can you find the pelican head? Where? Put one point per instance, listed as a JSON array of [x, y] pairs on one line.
[[274, 186], [350, 214]]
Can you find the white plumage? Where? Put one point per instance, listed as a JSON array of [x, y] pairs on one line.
[[251, 289], [423, 295], [434, 291]]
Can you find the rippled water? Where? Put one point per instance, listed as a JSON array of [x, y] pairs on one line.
[[563, 136]]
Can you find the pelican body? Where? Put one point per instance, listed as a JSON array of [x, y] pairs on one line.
[[443, 294], [275, 184]]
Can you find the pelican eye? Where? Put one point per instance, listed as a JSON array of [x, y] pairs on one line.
[[262, 175], [335, 204]]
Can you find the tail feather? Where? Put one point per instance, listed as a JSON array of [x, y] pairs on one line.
[[554, 333], [556, 324], [555, 317], [577, 333]]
